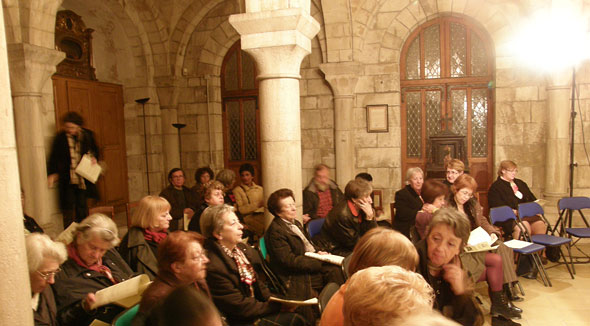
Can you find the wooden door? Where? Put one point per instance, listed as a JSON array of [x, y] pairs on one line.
[[101, 106]]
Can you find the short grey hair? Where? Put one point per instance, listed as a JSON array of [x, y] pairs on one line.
[[411, 171], [212, 221], [39, 247], [98, 225]]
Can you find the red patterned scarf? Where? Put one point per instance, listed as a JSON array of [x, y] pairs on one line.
[[155, 236], [245, 269], [98, 267]]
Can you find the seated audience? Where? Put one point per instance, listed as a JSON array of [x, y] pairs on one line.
[[149, 226], [378, 247], [185, 306], [349, 219], [31, 225], [228, 179], [320, 195], [287, 243], [203, 176], [383, 295], [434, 193], [92, 265], [455, 168], [408, 201], [440, 265], [182, 200], [250, 200], [235, 286], [378, 212], [181, 262], [44, 257], [509, 191], [462, 199], [213, 196]]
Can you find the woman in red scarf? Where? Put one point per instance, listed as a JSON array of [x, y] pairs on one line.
[[92, 265], [149, 226]]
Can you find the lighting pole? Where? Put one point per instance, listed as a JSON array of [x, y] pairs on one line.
[[179, 126], [142, 101]]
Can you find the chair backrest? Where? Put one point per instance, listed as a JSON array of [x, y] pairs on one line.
[[501, 214], [326, 294], [128, 209], [574, 203], [106, 210], [315, 226], [262, 246], [125, 318], [529, 209]]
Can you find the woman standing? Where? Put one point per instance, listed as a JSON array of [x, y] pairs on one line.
[[235, 286], [149, 226]]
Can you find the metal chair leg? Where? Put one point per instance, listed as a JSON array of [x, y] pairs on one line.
[[520, 288], [541, 269], [565, 261]]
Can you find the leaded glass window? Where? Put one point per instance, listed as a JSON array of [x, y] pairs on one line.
[[413, 60], [414, 124], [479, 122], [432, 52], [458, 50]]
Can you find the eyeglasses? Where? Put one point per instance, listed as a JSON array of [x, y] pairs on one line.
[[202, 256], [47, 275], [512, 171], [466, 193]]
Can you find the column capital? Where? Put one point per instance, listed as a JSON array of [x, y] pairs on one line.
[[31, 66], [278, 39], [342, 77]]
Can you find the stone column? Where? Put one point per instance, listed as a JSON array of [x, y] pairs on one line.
[[31, 67], [15, 291], [558, 120], [343, 77], [278, 40]]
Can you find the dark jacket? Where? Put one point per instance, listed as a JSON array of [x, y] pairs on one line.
[[501, 194], [60, 161], [31, 225], [407, 205], [465, 312], [311, 200], [46, 313], [138, 255], [178, 202], [342, 230], [74, 282], [231, 296], [288, 261]]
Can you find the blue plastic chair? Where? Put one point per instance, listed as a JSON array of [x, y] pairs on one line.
[[315, 226], [262, 246], [567, 206], [532, 209], [505, 213], [125, 318]]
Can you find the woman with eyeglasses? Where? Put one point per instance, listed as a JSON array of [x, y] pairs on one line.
[[455, 168], [237, 291], [93, 264], [496, 268], [149, 226], [44, 257], [181, 262], [509, 191]]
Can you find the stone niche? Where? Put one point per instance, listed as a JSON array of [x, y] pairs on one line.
[[75, 40]]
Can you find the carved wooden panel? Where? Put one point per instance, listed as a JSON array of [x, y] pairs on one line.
[[73, 38]]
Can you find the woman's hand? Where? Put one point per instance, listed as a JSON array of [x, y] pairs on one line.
[[428, 208], [88, 301], [366, 206], [52, 179], [455, 276], [305, 218]]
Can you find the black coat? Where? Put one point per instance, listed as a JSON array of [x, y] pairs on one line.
[[501, 194], [60, 161], [138, 255], [46, 313], [231, 296], [178, 202], [407, 205], [342, 230], [74, 282], [311, 200]]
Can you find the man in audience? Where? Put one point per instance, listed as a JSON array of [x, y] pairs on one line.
[[182, 200], [320, 195]]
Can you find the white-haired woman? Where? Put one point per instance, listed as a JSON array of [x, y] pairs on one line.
[[92, 265], [44, 257], [149, 226], [408, 201]]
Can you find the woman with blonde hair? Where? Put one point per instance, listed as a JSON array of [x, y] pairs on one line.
[[378, 247], [149, 226], [92, 265]]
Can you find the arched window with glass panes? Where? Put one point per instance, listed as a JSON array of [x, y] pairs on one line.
[[447, 78]]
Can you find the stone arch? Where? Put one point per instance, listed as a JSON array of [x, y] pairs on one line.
[[316, 13], [147, 15]]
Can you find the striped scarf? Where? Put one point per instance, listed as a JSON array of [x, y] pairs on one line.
[[245, 269]]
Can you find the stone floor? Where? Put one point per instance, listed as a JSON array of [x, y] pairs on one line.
[[567, 303]]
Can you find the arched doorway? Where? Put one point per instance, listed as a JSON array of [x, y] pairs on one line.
[[241, 129], [447, 77]]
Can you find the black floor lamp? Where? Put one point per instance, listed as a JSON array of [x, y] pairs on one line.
[[179, 126], [142, 101]]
